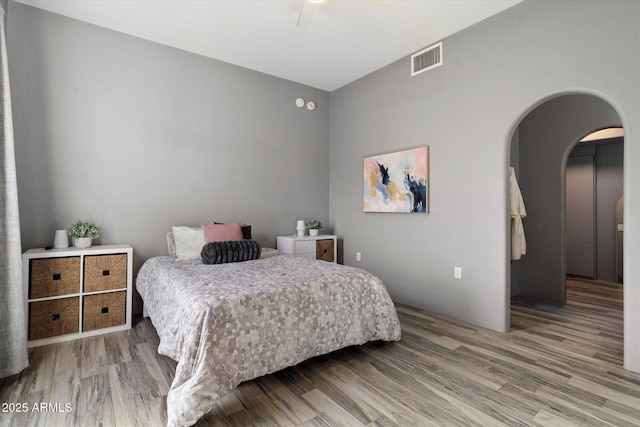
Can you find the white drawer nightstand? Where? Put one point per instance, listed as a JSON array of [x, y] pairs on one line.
[[323, 246]]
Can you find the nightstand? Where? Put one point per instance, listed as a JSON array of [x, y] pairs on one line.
[[73, 293], [323, 246]]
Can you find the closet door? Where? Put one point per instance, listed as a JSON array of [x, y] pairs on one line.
[[619, 238], [581, 235]]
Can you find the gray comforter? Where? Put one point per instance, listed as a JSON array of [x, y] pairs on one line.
[[229, 323]]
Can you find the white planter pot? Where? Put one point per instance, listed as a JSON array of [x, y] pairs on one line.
[[82, 242], [313, 232]]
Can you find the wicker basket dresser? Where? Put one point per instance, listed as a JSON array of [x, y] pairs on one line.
[[73, 293], [323, 247]]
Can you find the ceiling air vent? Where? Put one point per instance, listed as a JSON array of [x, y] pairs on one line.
[[426, 59]]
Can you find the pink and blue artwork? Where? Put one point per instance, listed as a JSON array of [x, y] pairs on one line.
[[397, 182]]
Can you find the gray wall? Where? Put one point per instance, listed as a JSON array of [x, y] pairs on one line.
[[467, 110], [138, 137]]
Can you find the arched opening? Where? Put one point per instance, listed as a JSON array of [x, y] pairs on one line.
[[594, 185], [541, 147]]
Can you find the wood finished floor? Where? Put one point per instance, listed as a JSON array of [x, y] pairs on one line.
[[559, 366]]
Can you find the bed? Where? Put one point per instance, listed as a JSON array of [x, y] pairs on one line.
[[229, 323]]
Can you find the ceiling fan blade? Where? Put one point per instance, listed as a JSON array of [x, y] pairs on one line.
[[306, 13]]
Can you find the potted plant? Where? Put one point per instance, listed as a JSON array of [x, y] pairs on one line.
[[83, 233], [313, 226]]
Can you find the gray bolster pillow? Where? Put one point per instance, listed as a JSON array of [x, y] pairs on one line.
[[230, 251]]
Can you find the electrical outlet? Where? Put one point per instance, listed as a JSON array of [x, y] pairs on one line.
[[358, 256], [457, 272]]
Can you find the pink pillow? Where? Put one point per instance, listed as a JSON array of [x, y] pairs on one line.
[[222, 232]]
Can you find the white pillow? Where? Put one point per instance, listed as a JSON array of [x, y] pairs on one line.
[[171, 244], [188, 242]]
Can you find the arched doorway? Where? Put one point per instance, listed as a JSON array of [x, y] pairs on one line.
[[540, 147]]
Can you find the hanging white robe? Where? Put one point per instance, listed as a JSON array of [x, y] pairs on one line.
[[518, 241]]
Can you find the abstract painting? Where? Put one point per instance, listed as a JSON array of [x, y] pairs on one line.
[[397, 182]]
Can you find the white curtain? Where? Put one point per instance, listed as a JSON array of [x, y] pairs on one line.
[[13, 335]]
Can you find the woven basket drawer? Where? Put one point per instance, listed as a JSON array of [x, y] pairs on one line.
[[324, 250], [54, 276], [53, 317], [105, 272], [104, 310]]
